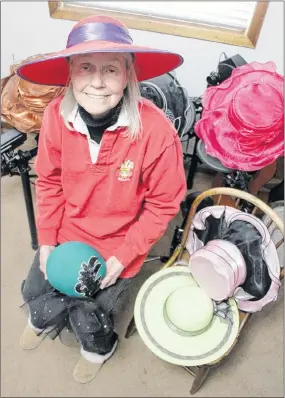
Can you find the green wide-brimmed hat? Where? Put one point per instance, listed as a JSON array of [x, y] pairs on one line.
[[75, 269], [179, 323]]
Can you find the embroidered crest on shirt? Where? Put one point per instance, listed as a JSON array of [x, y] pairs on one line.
[[126, 170]]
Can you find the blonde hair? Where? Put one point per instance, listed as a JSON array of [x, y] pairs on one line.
[[130, 106]]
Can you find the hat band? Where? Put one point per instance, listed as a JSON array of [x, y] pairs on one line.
[[181, 332], [222, 310], [98, 31]]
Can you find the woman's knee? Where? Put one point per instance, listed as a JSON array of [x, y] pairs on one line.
[[35, 284]]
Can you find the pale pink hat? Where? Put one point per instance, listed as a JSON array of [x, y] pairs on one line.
[[219, 268], [245, 300]]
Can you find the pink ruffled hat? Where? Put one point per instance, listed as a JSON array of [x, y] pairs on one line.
[[243, 118]]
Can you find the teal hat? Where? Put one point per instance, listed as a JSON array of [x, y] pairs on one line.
[[75, 269]]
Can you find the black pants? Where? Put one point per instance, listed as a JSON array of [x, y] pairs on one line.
[[91, 321]]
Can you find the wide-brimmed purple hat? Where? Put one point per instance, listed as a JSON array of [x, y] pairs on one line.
[[97, 34]]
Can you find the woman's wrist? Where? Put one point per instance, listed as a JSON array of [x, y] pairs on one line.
[[46, 248]]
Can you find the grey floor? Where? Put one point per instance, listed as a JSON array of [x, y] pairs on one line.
[[254, 369]]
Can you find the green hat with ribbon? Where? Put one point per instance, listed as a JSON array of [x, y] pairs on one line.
[[179, 322], [75, 269]]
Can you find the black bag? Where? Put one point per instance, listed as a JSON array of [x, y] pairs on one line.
[[167, 94]]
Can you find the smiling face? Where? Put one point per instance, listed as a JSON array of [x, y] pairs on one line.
[[98, 81]]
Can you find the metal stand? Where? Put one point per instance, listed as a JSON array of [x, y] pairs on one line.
[[193, 165], [24, 169], [197, 102], [21, 163]]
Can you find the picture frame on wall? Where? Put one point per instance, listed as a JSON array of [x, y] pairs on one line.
[[237, 23]]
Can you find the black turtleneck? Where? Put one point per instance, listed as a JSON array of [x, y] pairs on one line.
[[96, 127]]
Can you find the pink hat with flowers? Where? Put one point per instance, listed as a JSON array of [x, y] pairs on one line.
[[243, 118]]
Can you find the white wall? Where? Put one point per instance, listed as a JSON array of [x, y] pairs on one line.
[[27, 29]]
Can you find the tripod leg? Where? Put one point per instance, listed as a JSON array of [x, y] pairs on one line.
[[24, 173], [193, 166]]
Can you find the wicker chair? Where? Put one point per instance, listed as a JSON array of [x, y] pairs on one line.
[[201, 372]]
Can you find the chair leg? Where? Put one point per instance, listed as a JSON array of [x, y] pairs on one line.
[[199, 379], [131, 328]]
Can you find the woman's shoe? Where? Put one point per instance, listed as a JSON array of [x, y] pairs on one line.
[[30, 339], [89, 365], [85, 371]]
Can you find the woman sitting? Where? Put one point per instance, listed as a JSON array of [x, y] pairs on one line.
[[109, 165]]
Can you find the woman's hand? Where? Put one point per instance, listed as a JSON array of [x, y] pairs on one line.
[[114, 270], [44, 253]]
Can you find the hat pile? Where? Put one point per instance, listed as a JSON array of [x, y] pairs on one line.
[[189, 315]]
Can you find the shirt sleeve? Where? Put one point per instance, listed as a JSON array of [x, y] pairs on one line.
[[49, 195], [166, 187]]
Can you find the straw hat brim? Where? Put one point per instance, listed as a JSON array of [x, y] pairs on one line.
[[168, 344], [53, 70]]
